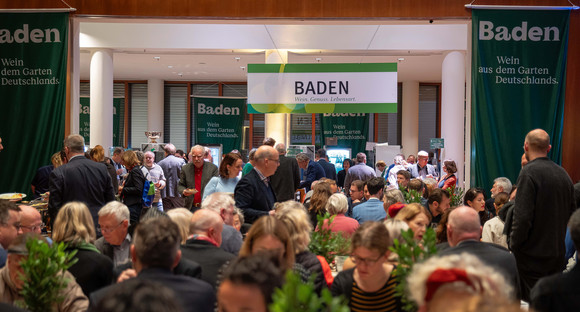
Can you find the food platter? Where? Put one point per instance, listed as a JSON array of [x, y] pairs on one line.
[[12, 196]]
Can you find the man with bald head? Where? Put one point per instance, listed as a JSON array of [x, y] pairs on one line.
[[463, 234], [194, 177], [254, 193], [543, 205], [203, 245], [30, 219]]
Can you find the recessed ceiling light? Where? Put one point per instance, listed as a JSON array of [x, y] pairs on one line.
[[400, 59], [169, 66], [201, 63], [157, 58]]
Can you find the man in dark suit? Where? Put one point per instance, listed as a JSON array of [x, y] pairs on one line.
[[559, 292], [203, 246], [286, 179], [194, 177], [322, 159], [81, 179], [155, 253], [463, 233], [313, 171], [254, 194]]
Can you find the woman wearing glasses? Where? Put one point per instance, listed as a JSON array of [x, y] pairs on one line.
[[370, 286]]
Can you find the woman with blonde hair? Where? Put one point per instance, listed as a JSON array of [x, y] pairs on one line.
[[97, 154], [416, 217], [74, 226], [295, 218], [317, 204], [269, 234], [181, 217], [132, 189]]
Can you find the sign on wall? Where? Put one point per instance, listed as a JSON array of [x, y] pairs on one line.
[[118, 122], [219, 120], [33, 61], [518, 84], [349, 130], [322, 88]]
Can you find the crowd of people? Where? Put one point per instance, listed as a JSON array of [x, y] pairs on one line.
[[211, 238]]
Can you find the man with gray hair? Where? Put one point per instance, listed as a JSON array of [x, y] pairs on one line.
[[559, 292], [194, 177], [313, 171], [9, 226], [463, 233], [224, 205], [154, 173], [203, 246], [286, 179], [116, 240], [501, 184], [171, 166], [81, 179], [360, 171]]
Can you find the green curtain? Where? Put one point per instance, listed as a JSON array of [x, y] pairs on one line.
[[351, 130], [33, 94], [518, 84]]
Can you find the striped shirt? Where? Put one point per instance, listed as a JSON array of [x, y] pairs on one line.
[[381, 300]]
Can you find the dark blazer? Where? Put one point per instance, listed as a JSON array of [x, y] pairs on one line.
[[81, 179], [92, 271], [254, 197], [112, 173], [184, 267], [557, 292], [493, 255], [132, 193], [210, 257], [329, 169], [286, 179], [314, 172], [187, 179], [193, 294], [340, 176]]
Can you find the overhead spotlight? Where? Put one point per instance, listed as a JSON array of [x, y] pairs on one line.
[[180, 74], [237, 59], [318, 59], [169, 66], [243, 67], [400, 59], [157, 58]]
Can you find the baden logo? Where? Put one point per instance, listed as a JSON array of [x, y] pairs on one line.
[[518, 33], [203, 109], [24, 35]]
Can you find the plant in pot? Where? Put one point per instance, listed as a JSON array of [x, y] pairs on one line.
[[326, 243]]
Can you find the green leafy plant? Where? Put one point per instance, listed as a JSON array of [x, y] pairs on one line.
[[411, 196], [411, 252], [326, 243], [43, 276], [456, 196], [298, 296]]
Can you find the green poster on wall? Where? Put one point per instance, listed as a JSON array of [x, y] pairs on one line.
[[33, 62], [350, 130], [219, 120], [518, 84], [118, 120]]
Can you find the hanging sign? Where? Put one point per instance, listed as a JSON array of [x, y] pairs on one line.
[[322, 88], [349, 130], [219, 120]]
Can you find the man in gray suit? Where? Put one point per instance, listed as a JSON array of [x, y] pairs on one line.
[[194, 177], [171, 166]]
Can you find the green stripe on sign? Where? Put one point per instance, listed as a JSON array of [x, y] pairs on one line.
[[324, 108], [322, 68]]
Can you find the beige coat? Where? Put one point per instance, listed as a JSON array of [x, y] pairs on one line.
[[74, 299]]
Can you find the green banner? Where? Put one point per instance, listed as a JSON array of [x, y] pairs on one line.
[[33, 62], [118, 120], [518, 84], [219, 120], [350, 130]]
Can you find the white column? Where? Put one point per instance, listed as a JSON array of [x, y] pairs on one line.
[[75, 84], [276, 125], [453, 111], [102, 98], [155, 93], [410, 118]]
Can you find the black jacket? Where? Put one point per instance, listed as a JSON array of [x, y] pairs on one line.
[[558, 292], [133, 189], [286, 179], [210, 257], [254, 197], [92, 271], [329, 169], [311, 263]]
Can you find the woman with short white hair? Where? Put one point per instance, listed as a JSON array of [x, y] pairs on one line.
[[337, 206]]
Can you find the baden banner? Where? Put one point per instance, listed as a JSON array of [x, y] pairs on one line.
[[518, 82], [118, 120], [33, 62], [322, 88], [219, 120], [350, 130]]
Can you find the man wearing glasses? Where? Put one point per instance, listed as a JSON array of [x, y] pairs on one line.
[[116, 240], [30, 220], [9, 226], [194, 177]]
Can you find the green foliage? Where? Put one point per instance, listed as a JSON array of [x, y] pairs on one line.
[[411, 252], [456, 196], [44, 274], [298, 296], [411, 196], [326, 243]]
